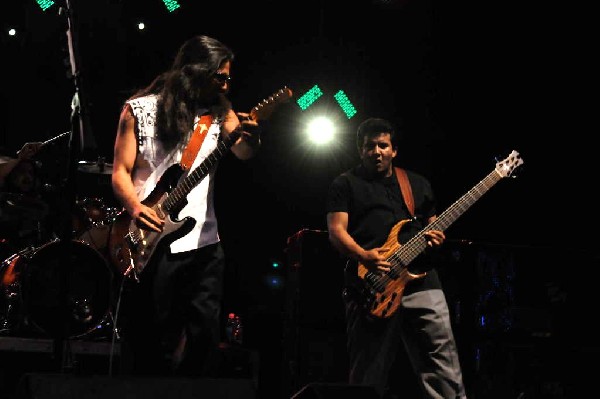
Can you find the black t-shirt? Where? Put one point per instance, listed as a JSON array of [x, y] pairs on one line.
[[374, 207]]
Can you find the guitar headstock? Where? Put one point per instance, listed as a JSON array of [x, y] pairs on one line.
[[264, 109], [508, 165]]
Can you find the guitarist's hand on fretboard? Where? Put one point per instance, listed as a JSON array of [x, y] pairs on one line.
[[250, 129], [434, 238], [249, 140]]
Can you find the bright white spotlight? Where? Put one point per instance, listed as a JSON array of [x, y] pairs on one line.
[[12, 32], [141, 26], [320, 130]]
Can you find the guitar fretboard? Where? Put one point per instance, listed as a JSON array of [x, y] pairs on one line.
[[179, 193]]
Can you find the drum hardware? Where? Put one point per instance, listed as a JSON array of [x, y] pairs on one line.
[[22, 206], [31, 302], [94, 180], [10, 291], [5, 159], [92, 221], [63, 286], [31, 297], [91, 212], [99, 167], [6, 321]]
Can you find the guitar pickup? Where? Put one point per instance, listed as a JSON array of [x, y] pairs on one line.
[[374, 282]]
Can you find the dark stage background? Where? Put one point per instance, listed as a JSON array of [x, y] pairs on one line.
[[468, 81]]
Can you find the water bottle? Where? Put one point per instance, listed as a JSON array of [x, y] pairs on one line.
[[234, 330]]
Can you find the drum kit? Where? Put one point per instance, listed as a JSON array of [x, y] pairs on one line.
[[52, 286]]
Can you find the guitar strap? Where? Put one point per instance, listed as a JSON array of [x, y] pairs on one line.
[[406, 190], [193, 146]]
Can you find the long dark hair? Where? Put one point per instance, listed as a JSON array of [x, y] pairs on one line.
[[181, 89]]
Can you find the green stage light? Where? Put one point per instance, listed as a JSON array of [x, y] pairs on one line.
[[171, 5], [45, 4], [309, 97], [345, 103]]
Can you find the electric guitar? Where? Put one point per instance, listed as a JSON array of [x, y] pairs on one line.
[[383, 292], [130, 247]]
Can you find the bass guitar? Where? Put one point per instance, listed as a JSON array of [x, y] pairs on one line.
[[383, 292], [130, 247]]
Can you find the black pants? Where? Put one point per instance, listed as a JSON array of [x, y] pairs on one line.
[[177, 303]]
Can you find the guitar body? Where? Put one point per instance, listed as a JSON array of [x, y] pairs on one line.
[[382, 300], [129, 247]]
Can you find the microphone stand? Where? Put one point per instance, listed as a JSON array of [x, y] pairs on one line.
[[79, 138]]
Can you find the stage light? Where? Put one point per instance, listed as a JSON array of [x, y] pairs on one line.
[[171, 5], [309, 97], [45, 4], [320, 130], [345, 104]]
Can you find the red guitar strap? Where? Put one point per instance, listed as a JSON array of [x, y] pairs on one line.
[[193, 146], [406, 190]]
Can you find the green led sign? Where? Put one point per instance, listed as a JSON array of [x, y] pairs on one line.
[[345, 104], [171, 5], [45, 4], [313, 95], [309, 97]]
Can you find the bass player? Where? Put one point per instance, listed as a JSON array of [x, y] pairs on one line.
[[363, 205]]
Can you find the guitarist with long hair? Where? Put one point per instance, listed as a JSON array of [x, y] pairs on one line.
[[367, 217], [172, 299]]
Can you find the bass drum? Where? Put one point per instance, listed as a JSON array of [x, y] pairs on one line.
[[60, 289]]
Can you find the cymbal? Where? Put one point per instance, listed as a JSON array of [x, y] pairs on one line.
[[94, 167], [5, 159]]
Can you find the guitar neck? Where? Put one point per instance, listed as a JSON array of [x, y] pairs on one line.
[[179, 193], [261, 111], [417, 244]]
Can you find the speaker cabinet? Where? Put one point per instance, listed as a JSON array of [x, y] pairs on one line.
[[334, 391], [64, 386], [314, 325], [315, 281]]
